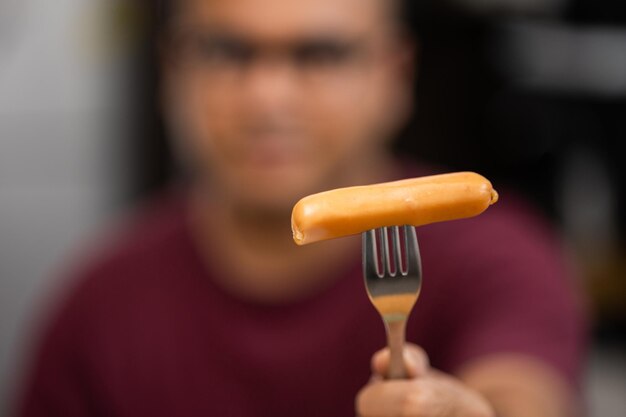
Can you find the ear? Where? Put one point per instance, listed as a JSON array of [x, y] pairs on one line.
[[407, 59], [164, 52]]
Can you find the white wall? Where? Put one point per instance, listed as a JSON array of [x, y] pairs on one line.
[[60, 140]]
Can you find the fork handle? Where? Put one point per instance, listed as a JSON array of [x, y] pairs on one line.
[[395, 341]]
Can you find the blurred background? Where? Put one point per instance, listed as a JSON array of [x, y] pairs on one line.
[[532, 93]]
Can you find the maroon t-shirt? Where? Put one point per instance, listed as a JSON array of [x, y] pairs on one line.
[[147, 332]]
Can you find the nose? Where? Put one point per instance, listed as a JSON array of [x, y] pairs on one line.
[[270, 83]]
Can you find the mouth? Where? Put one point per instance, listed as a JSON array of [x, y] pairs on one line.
[[274, 147]]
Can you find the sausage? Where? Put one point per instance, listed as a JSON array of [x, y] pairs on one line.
[[414, 201]]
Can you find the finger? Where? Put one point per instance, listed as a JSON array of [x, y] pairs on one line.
[[389, 398], [376, 378], [415, 360]]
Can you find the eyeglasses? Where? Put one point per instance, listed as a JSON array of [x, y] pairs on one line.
[[223, 58]]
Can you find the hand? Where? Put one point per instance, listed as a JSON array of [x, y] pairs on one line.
[[426, 393]]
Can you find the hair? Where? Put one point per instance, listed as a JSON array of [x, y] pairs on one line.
[[163, 12], [403, 11]]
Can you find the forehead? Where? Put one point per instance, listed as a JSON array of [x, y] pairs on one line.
[[286, 18]]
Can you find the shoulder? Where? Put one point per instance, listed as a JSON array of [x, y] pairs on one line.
[[513, 220], [511, 246], [513, 227], [118, 267], [149, 232], [510, 233], [148, 228], [95, 318]]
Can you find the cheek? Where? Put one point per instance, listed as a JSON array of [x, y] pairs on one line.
[[204, 116], [209, 110], [354, 112]]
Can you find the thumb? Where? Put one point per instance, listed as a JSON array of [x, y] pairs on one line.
[[415, 361]]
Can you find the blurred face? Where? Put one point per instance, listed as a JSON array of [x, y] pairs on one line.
[[275, 99]]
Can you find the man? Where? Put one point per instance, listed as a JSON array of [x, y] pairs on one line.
[[206, 307]]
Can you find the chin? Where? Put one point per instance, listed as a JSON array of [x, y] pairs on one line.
[[267, 202], [269, 193]]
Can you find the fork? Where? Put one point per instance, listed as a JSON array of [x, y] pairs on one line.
[[393, 283]]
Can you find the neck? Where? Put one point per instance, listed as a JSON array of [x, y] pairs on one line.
[[263, 231], [252, 253]]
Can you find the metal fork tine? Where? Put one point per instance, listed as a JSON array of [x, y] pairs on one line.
[[397, 250], [386, 255], [413, 259], [370, 260]]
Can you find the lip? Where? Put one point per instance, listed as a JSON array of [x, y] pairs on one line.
[[274, 149]]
